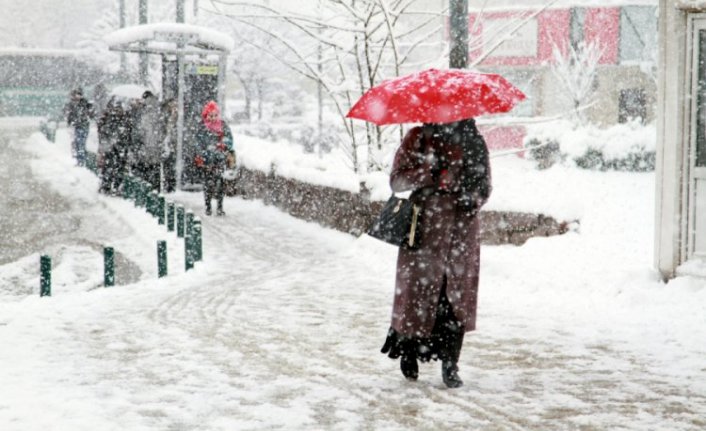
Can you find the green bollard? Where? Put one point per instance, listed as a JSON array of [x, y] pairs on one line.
[[45, 277], [189, 223], [126, 186], [155, 204], [180, 221], [139, 193], [160, 210], [135, 191], [189, 254], [197, 238], [145, 194], [170, 216], [148, 201], [162, 258], [108, 267], [150, 207]]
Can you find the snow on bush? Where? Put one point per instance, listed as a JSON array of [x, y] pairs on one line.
[[628, 147]]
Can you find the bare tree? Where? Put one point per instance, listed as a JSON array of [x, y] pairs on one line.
[[346, 47], [575, 69]]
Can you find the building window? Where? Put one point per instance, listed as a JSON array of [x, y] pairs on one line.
[[632, 105], [638, 34]]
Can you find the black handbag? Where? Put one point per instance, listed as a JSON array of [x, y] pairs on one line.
[[397, 223]]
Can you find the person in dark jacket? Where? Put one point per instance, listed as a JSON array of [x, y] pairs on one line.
[[114, 130], [446, 166], [215, 153], [78, 114]]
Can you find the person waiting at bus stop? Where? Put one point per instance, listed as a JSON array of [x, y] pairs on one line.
[[215, 153], [79, 112]]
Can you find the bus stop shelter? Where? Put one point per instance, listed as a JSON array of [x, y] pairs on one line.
[[179, 41]]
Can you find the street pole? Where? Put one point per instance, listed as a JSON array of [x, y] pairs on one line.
[[121, 9], [180, 119], [144, 60], [320, 70], [196, 8], [458, 23], [180, 100]]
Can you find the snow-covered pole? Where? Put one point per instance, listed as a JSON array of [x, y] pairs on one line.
[[121, 8], [458, 20], [222, 65]]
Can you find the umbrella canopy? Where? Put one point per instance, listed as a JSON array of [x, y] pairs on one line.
[[436, 96]]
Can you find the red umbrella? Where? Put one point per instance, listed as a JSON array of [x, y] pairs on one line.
[[436, 96]]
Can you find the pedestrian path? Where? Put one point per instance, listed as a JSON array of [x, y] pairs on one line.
[[280, 328]]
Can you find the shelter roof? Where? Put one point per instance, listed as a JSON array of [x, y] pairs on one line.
[[165, 37]]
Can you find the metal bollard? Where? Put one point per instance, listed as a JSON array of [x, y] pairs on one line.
[[160, 209], [152, 203], [139, 193], [170, 216], [197, 238], [189, 223], [161, 259], [145, 194], [148, 202], [108, 267], [189, 255], [45, 277], [126, 186], [180, 221]]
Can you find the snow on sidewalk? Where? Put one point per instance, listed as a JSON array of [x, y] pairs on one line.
[[280, 327]]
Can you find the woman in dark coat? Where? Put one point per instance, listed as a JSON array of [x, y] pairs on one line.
[[436, 290]]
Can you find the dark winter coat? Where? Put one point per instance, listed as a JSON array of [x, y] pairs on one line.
[[113, 129], [450, 181], [78, 113]]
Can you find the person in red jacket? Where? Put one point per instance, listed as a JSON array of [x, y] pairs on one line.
[[215, 153]]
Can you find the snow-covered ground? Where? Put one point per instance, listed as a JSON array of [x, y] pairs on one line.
[[280, 327]]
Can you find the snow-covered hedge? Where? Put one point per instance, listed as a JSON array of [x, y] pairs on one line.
[[625, 147]]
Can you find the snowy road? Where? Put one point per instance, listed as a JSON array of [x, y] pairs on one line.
[[280, 328]]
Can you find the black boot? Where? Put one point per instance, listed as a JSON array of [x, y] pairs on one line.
[[219, 210], [409, 367], [208, 208], [449, 372]]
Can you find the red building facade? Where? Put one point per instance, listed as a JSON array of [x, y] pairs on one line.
[[625, 34]]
